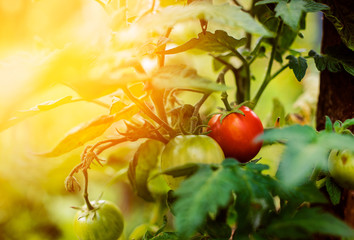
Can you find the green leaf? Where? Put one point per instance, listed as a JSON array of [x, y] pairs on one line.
[[348, 68], [332, 140], [308, 221], [226, 14], [290, 12], [334, 191], [336, 58], [278, 111], [266, 2], [294, 133], [342, 19], [298, 162], [181, 76], [305, 150], [219, 42], [81, 134], [312, 6], [328, 127], [348, 123], [194, 203], [181, 171], [298, 65], [24, 114], [144, 162]]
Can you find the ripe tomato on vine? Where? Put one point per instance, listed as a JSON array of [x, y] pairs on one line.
[[236, 133]]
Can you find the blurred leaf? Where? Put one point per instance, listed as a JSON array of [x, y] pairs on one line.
[[90, 71], [334, 191], [229, 15], [308, 221], [290, 12], [298, 65], [294, 133], [305, 150], [181, 76], [219, 41], [194, 203], [145, 160], [81, 134], [22, 115]]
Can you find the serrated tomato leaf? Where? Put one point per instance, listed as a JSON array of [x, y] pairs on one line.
[[219, 42], [193, 198], [298, 65], [290, 12]]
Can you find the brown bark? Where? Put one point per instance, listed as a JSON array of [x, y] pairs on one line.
[[336, 100]]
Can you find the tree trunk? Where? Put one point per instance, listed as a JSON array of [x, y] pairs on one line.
[[336, 100]]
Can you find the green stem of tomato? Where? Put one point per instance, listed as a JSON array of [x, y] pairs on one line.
[[88, 204], [268, 76], [197, 106], [149, 113], [224, 95]]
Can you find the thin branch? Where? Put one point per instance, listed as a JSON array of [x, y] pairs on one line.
[[268, 78], [224, 95], [148, 112], [197, 106]]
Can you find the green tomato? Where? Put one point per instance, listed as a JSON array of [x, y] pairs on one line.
[[185, 149], [104, 222], [341, 168]]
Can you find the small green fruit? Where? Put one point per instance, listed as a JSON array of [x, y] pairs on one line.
[[341, 168]]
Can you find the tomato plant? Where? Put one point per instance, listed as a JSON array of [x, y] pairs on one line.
[[104, 221], [236, 133], [188, 149], [154, 90]]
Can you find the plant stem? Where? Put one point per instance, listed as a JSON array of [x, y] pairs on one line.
[[244, 82], [268, 77], [224, 95], [197, 106], [148, 112], [88, 204]]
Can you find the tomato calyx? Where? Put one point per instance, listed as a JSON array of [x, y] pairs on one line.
[[235, 109]]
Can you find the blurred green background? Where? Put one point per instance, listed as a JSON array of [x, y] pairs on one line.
[[33, 201]]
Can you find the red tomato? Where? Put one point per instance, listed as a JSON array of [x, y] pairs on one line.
[[236, 134]]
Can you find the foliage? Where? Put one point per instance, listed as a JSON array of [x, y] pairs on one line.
[[145, 104]]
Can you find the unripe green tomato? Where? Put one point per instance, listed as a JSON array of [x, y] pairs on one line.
[[341, 168], [104, 222], [185, 149]]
